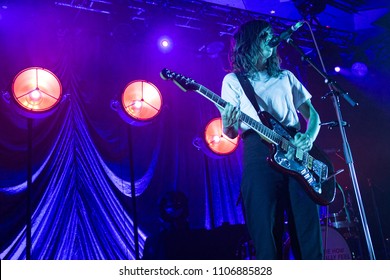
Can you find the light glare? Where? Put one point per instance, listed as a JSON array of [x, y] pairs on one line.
[[216, 139], [35, 95], [164, 43], [137, 104]]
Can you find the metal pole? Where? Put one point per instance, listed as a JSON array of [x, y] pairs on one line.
[[133, 194], [352, 172], [29, 190]]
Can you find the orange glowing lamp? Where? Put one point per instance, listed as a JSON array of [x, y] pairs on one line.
[[141, 100], [36, 90], [217, 141]]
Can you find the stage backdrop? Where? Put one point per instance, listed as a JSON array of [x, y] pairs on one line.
[[81, 199]]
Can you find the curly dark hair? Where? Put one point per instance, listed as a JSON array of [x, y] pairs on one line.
[[245, 50]]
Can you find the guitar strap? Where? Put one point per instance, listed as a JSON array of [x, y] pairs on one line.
[[249, 91]]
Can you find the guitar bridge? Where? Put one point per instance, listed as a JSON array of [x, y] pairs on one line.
[[321, 170]]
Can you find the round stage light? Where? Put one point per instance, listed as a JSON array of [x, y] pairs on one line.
[[36, 90], [141, 102], [217, 141], [359, 69]]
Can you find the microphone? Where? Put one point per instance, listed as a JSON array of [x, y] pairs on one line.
[[285, 35]]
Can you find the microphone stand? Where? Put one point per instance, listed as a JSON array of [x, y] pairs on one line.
[[335, 92], [29, 190]]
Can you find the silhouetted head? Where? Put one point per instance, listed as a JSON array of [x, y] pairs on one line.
[[173, 207]]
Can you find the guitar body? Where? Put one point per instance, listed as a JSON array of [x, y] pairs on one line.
[[309, 179]]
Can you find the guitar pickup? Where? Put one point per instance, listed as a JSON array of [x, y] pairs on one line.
[[310, 162], [299, 154], [285, 145]]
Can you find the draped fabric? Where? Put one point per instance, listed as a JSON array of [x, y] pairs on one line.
[[81, 184], [81, 200]]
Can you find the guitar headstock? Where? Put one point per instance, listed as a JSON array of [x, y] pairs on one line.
[[181, 81]]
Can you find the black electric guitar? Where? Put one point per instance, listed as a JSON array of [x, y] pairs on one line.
[[313, 170]]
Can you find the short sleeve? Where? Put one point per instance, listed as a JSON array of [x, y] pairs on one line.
[[298, 90]]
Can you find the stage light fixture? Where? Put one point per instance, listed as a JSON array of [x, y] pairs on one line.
[[310, 7], [359, 69], [140, 103], [36, 92], [165, 44], [217, 141]]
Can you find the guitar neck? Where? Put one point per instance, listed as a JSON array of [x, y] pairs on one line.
[[265, 132]]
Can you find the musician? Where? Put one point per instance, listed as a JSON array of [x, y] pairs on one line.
[[175, 239], [269, 195]]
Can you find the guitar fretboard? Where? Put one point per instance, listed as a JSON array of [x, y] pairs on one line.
[[263, 130]]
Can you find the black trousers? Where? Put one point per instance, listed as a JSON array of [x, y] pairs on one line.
[[271, 199]]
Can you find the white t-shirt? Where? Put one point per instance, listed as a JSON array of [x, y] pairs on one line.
[[281, 97]]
